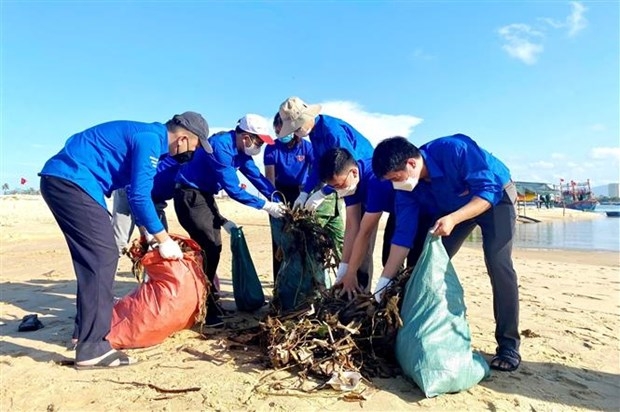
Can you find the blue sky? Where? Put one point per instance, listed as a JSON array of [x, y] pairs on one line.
[[536, 83]]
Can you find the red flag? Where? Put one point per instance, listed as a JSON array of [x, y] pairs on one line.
[[22, 181]]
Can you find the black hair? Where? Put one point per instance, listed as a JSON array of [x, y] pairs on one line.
[[277, 120], [173, 125], [391, 155], [334, 162]]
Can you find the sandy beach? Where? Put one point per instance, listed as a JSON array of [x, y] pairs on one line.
[[569, 322]]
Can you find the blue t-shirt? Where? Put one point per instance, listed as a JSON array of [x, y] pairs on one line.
[[291, 164], [329, 132], [458, 170], [212, 172], [114, 155], [165, 178], [375, 195]]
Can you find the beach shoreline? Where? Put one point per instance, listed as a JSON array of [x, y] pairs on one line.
[[570, 315]]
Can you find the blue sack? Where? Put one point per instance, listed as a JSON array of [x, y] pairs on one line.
[[433, 347], [247, 289]]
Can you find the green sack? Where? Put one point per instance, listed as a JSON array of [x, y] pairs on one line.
[[247, 288], [433, 347]]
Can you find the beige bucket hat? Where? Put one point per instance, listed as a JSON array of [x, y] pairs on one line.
[[295, 113]]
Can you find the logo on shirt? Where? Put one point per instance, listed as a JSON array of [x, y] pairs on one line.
[[154, 161], [300, 158]]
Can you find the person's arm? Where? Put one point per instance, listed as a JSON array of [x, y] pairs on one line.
[[260, 182], [370, 222], [351, 228], [475, 207], [226, 174], [270, 174], [269, 160], [397, 257], [143, 168]]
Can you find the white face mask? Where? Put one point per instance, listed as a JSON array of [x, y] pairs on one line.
[[252, 150], [347, 191], [407, 185]]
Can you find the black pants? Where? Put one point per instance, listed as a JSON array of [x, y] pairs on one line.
[[290, 195], [199, 216], [88, 231]]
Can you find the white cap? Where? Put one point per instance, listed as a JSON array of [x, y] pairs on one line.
[[255, 124]]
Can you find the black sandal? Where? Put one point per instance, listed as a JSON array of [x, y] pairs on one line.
[[107, 362], [506, 360]]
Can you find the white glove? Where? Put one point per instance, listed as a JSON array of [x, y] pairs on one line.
[[381, 287], [275, 209], [315, 200], [228, 226], [301, 200], [342, 270], [169, 249]]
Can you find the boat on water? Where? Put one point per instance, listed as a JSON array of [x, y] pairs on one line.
[[613, 213], [578, 195]]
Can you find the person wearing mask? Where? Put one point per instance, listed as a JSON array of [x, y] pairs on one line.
[[462, 186], [325, 132], [366, 198], [287, 163], [200, 180], [74, 182]]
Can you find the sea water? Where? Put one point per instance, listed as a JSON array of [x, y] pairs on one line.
[[602, 234]]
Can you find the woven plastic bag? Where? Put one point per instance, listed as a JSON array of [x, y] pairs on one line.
[[171, 300], [433, 346], [247, 289]]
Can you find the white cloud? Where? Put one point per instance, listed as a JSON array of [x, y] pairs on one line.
[[576, 20], [375, 126], [525, 43], [521, 42], [612, 153], [541, 164], [558, 156]]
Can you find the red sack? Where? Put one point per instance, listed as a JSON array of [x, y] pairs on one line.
[[172, 299]]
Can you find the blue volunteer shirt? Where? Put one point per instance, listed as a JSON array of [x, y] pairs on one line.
[[373, 194], [165, 179], [329, 132], [114, 155], [291, 164], [458, 170], [218, 170]]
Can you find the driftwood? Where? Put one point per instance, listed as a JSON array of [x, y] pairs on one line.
[[333, 334]]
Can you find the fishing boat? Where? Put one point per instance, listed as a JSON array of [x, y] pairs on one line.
[[578, 195], [613, 213]]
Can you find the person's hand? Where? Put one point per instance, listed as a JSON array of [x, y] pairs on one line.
[[228, 226], [301, 200], [169, 249], [443, 226], [350, 286], [275, 209], [381, 287], [314, 201], [342, 270]]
